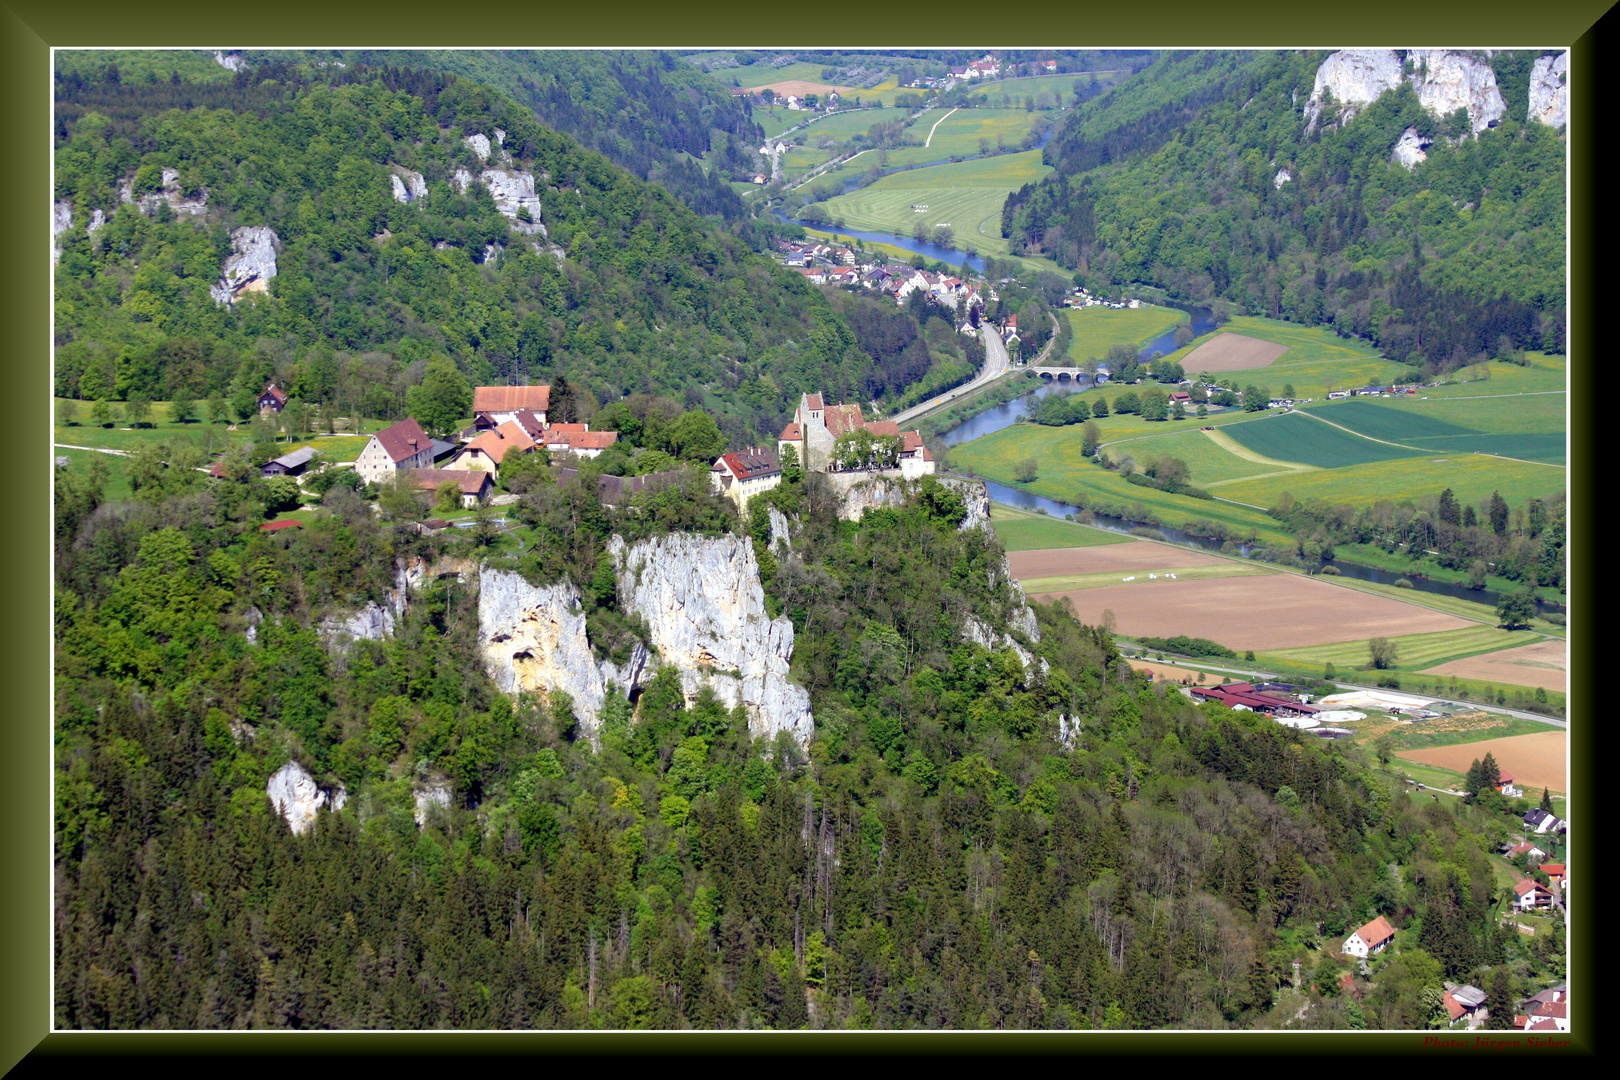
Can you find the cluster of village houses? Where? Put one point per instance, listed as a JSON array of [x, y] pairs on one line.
[[512, 420]]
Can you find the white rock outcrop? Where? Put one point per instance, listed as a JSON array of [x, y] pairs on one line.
[[704, 607], [863, 491], [251, 266], [98, 220], [427, 796], [513, 190], [461, 180], [533, 640], [1549, 90], [480, 145], [781, 538], [1446, 80], [1282, 177], [297, 797], [408, 186], [230, 61], [976, 630], [169, 193], [1411, 149], [61, 222], [1354, 78], [374, 622]]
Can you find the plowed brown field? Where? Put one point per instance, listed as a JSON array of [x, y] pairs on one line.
[[1232, 352], [1534, 761], [1544, 664], [1137, 555], [1276, 612]]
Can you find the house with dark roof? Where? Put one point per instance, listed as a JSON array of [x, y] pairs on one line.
[[1369, 939], [1243, 696], [292, 464], [272, 400], [397, 447], [1464, 1003], [742, 474], [1541, 821], [502, 403]]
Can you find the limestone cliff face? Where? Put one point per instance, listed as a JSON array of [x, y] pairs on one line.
[[373, 622], [1446, 80], [1355, 78], [408, 186], [1411, 149], [297, 797], [61, 221], [250, 267], [230, 61], [1549, 90], [169, 193], [704, 607], [479, 144], [863, 491], [533, 640]]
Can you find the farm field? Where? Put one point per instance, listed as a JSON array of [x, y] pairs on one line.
[[1126, 557], [1413, 651], [1146, 578], [1542, 663], [1531, 427], [1315, 362], [1206, 453], [1534, 761], [1021, 531], [1305, 344], [1168, 671], [1233, 352], [1097, 329], [1544, 374], [1300, 438], [1471, 477], [1283, 611], [1067, 475], [966, 195]]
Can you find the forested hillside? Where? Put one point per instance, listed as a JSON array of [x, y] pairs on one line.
[[1203, 176], [650, 295], [971, 838]]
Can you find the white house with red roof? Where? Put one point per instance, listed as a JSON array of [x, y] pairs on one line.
[[503, 403], [816, 426], [1531, 895], [577, 439], [1369, 939], [399, 446], [741, 474], [488, 450]]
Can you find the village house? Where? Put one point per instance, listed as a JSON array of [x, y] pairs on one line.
[[474, 485], [489, 449], [397, 447], [1530, 895], [577, 439], [742, 474], [1557, 873], [1541, 821], [292, 464], [503, 403], [1464, 1003], [1507, 789], [272, 400], [1547, 1011], [1525, 847], [1369, 939], [816, 426]]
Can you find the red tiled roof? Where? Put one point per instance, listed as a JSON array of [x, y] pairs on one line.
[[843, 419], [470, 481], [511, 398], [502, 441], [791, 433], [882, 427], [1553, 869], [530, 423], [1376, 932], [1528, 885], [749, 464], [813, 402], [274, 392], [909, 441], [579, 440], [399, 441], [1559, 1009], [277, 526], [1452, 1006], [1543, 1025]]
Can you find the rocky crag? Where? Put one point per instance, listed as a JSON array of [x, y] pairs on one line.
[[298, 798], [704, 607], [863, 491], [250, 266], [1444, 80]]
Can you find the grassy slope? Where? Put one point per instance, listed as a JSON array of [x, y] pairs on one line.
[[1019, 530], [1472, 477], [1097, 329]]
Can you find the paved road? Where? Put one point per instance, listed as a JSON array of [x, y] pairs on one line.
[[996, 364]]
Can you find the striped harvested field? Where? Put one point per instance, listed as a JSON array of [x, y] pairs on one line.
[[1133, 555]]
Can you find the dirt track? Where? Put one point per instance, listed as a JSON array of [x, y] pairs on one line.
[[1137, 555], [1534, 761], [1275, 612], [1544, 664], [1232, 352]]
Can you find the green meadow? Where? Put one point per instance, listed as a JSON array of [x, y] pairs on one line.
[[1530, 427], [1413, 651], [1020, 530], [1296, 437], [1472, 477], [1207, 460], [1066, 475], [1097, 329]]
